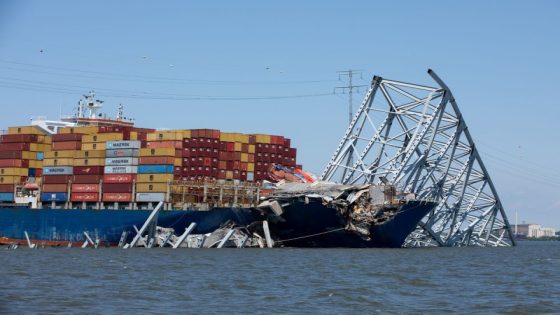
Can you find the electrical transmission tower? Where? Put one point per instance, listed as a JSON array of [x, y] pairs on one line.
[[350, 88], [415, 138]]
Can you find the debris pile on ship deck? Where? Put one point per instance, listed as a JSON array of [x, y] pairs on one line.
[[359, 207]]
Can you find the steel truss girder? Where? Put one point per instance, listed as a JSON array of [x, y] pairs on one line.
[[414, 137]]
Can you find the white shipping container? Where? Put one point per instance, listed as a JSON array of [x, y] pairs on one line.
[[121, 161], [58, 170], [121, 169], [132, 144], [150, 197]]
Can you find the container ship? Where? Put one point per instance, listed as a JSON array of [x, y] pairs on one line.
[[104, 176]]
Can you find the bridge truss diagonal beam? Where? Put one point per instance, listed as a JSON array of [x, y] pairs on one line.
[[415, 138]]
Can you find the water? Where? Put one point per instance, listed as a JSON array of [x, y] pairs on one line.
[[524, 279]]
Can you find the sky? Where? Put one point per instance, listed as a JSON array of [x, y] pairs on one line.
[[271, 67]]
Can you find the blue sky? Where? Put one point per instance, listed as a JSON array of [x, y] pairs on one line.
[[167, 62]]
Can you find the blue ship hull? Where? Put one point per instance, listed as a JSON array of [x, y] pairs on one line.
[[58, 226], [299, 221]]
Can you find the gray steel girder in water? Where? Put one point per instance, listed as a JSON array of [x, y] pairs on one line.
[[415, 138]]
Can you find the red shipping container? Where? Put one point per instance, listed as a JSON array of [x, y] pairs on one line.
[[216, 134], [194, 133], [164, 144], [88, 170], [156, 160], [251, 158], [18, 138], [85, 188], [252, 139], [287, 142], [119, 178], [10, 154], [117, 188], [56, 179], [14, 163], [87, 197], [55, 188], [38, 172], [67, 145], [86, 179], [67, 137], [117, 197], [7, 188], [292, 152], [16, 146]]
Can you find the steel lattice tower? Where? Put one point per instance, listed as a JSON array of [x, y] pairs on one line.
[[414, 137]]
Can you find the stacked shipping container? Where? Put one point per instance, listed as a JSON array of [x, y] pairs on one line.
[[21, 155], [126, 164], [121, 167]]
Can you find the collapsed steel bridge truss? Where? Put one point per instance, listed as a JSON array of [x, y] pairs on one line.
[[415, 138]]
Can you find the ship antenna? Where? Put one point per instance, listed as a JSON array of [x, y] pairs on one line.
[[120, 112]]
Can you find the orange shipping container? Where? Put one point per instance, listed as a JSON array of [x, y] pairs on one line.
[[85, 188], [119, 178], [87, 197], [66, 145], [164, 144], [117, 197], [55, 188]]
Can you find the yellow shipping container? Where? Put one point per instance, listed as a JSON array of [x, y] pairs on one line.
[[251, 148], [85, 130], [102, 137], [89, 162], [262, 138], [39, 147], [177, 162], [229, 174], [60, 154], [170, 135], [151, 187], [26, 130], [237, 147], [13, 171], [93, 146], [58, 162], [250, 167], [27, 155], [35, 164], [133, 135], [89, 154], [227, 136], [157, 152], [154, 178], [44, 139], [186, 133], [10, 179], [239, 137], [244, 157]]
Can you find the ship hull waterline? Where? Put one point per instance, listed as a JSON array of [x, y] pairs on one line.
[[59, 227]]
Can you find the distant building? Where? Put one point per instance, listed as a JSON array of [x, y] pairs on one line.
[[534, 230]]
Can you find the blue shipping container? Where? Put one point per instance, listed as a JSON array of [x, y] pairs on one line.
[[155, 169], [31, 172], [40, 156], [46, 196], [6, 196]]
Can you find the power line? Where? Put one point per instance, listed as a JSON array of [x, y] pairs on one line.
[[62, 90], [72, 72]]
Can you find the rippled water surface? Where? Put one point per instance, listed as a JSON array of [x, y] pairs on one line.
[[523, 279]]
